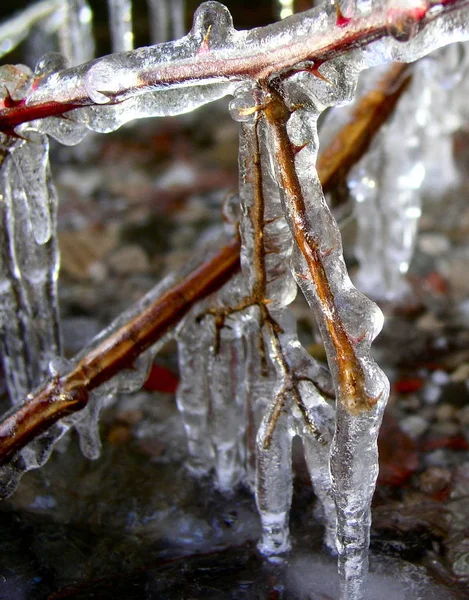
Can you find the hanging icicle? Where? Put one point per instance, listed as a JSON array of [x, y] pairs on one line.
[[76, 33], [120, 22]]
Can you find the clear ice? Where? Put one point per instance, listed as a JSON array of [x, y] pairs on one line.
[[166, 19], [388, 186], [120, 22], [244, 336], [76, 33]]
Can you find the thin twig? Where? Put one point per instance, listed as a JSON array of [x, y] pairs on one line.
[[351, 379]]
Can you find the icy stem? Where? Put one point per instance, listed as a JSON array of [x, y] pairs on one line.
[[348, 321], [283, 400]]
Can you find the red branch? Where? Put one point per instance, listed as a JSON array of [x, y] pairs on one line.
[[237, 63]]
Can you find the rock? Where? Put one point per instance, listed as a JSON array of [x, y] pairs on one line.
[[129, 260]]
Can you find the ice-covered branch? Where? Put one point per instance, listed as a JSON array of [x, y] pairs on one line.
[[115, 349], [341, 158], [214, 58], [348, 321]]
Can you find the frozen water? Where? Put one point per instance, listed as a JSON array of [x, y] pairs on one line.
[[120, 17], [246, 339], [388, 185], [76, 33], [166, 19], [29, 266], [15, 30]]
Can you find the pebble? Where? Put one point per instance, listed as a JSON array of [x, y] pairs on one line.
[[414, 426], [429, 322], [462, 415], [445, 429], [431, 393], [445, 412], [461, 373], [433, 244], [434, 479], [129, 260]]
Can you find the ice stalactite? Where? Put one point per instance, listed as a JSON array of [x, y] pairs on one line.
[[76, 34], [348, 321], [166, 19], [388, 186], [120, 22], [247, 386], [290, 404], [194, 346], [30, 328], [30, 263]]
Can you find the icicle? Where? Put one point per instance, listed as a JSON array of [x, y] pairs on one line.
[[195, 343], [348, 321], [159, 21], [120, 20], [280, 402], [29, 269], [228, 391], [166, 20], [387, 185], [178, 27], [77, 41]]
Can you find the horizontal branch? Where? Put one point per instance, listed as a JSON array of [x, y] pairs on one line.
[[213, 53]]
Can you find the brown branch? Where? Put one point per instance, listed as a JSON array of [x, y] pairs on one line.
[[255, 58], [351, 380], [69, 393]]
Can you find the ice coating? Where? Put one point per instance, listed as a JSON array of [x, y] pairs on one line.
[[15, 30], [214, 53], [388, 185], [241, 363], [176, 77], [120, 16], [86, 421], [348, 320]]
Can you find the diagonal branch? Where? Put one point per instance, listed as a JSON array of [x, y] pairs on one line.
[[66, 394]]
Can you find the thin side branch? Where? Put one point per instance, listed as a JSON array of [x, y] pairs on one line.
[[351, 385]]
